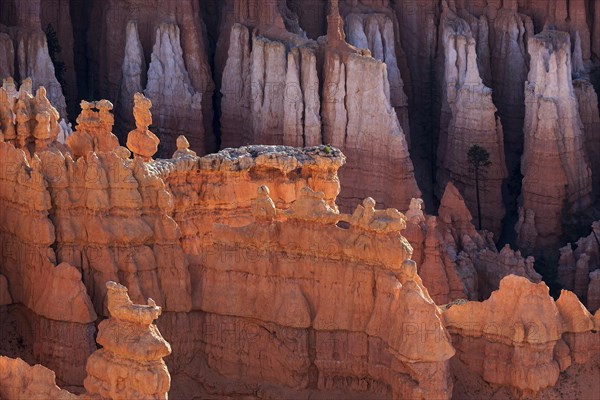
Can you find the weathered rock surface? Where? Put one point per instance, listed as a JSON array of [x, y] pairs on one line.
[[468, 247], [520, 337], [93, 132], [19, 380], [468, 119], [130, 363], [62, 314], [557, 178], [372, 139], [177, 105], [293, 273], [179, 83], [270, 93], [590, 117], [376, 32], [578, 270]]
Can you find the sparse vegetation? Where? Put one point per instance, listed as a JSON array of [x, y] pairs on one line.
[[479, 160]]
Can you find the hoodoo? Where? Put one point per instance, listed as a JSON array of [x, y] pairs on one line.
[[288, 199]]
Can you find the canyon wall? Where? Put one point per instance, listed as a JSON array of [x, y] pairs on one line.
[[554, 139], [280, 88], [170, 41], [245, 251], [269, 64], [372, 136], [468, 119]]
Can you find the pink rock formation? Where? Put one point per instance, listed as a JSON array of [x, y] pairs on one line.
[[177, 105], [94, 129], [468, 119], [129, 366], [371, 247], [270, 94], [372, 139], [577, 270], [509, 318], [114, 51], [18, 380], [183, 148], [130, 363], [60, 310], [465, 246], [236, 175], [141, 141], [554, 138], [376, 32], [455, 261], [434, 272], [520, 337]]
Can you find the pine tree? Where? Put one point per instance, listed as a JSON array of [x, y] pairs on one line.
[[479, 160]]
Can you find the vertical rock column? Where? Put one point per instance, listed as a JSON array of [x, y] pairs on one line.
[[508, 34], [133, 74], [177, 105], [472, 122], [33, 59], [557, 177], [376, 33], [590, 117], [359, 119], [130, 364], [270, 93]]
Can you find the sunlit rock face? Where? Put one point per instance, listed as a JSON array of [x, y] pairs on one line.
[[279, 87], [526, 328], [302, 260]]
